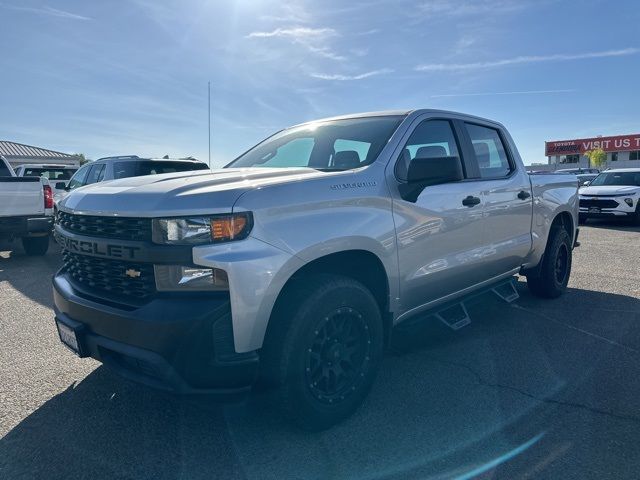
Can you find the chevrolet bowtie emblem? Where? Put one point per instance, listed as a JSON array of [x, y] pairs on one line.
[[132, 273]]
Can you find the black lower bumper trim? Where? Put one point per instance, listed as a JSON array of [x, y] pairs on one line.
[[176, 344], [607, 215], [25, 226]]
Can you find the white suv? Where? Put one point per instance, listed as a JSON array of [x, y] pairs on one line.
[[612, 194]]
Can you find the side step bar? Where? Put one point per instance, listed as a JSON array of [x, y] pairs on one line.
[[455, 314], [454, 317]]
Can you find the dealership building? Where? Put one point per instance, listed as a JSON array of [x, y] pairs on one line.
[[623, 151], [19, 154]]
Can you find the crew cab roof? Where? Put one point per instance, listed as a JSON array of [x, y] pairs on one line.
[[382, 113]]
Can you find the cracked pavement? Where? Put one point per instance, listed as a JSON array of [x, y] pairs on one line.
[[535, 389]]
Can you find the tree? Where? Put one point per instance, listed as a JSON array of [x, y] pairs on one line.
[[82, 158], [597, 157]]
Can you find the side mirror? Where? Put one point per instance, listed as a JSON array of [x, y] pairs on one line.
[[60, 186], [434, 171], [424, 172], [587, 183]]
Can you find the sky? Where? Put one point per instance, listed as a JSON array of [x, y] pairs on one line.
[[130, 77]]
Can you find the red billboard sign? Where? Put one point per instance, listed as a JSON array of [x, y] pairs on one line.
[[618, 143]]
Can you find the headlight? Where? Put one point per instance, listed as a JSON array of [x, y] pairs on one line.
[[171, 278], [199, 230]]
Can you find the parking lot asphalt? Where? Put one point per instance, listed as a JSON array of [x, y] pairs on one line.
[[533, 389]]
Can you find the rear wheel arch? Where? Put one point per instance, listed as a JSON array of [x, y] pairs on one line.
[[563, 220]]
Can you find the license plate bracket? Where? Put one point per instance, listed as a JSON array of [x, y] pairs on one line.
[[71, 336]]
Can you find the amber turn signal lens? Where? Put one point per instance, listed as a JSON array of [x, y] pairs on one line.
[[228, 228]]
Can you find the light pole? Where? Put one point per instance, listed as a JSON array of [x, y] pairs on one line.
[[209, 118]]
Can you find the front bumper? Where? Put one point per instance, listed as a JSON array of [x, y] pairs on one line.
[[606, 207], [606, 214], [179, 343]]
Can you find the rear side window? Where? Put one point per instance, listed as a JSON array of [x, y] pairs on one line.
[[490, 152], [79, 178], [430, 139], [96, 174]]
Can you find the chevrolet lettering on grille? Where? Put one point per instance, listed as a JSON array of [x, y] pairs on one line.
[[95, 248]]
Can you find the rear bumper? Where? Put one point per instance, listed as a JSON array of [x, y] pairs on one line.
[[26, 226], [179, 344]]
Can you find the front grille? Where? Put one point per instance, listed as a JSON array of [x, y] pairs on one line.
[[596, 202], [122, 228], [111, 275]]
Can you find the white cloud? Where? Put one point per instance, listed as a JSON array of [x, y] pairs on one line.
[[488, 94], [296, 33], [313, 39], [444, 67], [50, 11], [342, 78]]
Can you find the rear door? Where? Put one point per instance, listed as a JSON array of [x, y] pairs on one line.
[[506, 194], [439, 235]]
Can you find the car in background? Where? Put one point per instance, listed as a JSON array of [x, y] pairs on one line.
[[113, 168], [56, 174], [578, 171], [584, 175], [612, 194]]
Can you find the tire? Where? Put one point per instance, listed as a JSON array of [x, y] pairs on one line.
[[550, 280], [582, 219], [324, 350], [35, 245], [636, 217]]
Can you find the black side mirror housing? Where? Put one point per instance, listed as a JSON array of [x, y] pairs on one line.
[[61, 186], [434, 171], [424, 172]]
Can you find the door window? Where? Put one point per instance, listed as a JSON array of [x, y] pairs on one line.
[[79, 178], [490, 152], [430, 139]]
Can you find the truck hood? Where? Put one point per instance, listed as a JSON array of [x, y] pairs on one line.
[[177, 194], [605, 190]]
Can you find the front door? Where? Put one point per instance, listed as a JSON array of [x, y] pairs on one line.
[[440, 234]]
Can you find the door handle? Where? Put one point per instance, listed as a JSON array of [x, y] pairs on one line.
[[470, 201], [523, 195]]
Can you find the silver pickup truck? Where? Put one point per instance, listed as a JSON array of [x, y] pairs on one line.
[[292, 265]]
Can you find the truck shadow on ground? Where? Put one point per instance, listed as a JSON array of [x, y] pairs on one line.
[[26, 273], [517, 383]]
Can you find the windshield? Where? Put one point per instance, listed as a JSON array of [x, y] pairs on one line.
[[51, 174], [332, 145], [617, 178]]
